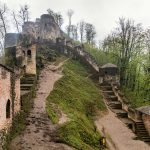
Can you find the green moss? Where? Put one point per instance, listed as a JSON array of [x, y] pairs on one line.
[[52, 113], [79, 98]]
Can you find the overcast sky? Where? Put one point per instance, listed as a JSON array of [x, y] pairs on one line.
[[103, 14]]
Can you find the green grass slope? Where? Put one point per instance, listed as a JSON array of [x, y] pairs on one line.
[[80, 99]]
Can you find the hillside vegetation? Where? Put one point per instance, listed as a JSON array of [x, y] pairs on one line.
[[80, 99], [136, 88]]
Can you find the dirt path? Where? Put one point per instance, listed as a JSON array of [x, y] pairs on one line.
[[37, 135], [121, 136]]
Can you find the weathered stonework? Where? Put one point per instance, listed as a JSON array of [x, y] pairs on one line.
[[43, 29], [145, 113], [6, 96], [146, 120], [28, 56]]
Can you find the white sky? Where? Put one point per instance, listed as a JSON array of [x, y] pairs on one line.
[[103, 14]]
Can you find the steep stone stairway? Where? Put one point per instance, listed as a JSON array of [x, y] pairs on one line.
[[26, 83], [116, 107], [142, 133]]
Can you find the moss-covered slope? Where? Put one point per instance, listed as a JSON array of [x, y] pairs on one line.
[[80, 99]]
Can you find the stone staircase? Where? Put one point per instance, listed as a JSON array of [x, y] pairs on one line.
[[26, 83], [142, 133], [116, 106]]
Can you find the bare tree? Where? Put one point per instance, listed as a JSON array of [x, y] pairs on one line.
[[24, 13], [70, 12], [3, 21], [81, 30], [3, 24], [16, 21]]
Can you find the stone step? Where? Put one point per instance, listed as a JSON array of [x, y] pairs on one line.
[[146, 140], [122, 115], [105, 84], [142, 131], [27, 81], [114, 103], [26, 85], [138, 123], [106, 88], [115, 107], [112, 98], [23, 92], [25, 89], [29, 75], [110, 92], [144, 135]]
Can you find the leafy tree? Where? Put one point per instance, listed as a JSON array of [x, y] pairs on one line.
[[90, 33]]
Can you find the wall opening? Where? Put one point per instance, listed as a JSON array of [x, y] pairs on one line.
[[29, 53], [8, 109]]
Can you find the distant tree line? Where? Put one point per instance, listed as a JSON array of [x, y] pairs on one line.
[[82, 31], [128, 46]]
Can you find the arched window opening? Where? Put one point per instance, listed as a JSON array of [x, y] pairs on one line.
[[8, 109], [29, 53]]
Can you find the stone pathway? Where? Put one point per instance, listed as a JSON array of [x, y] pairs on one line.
[[37, 135]]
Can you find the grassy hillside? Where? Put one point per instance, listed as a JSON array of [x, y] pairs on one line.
[[79, 98]]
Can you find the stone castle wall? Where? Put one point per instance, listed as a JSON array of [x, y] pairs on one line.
[[5, 87]]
